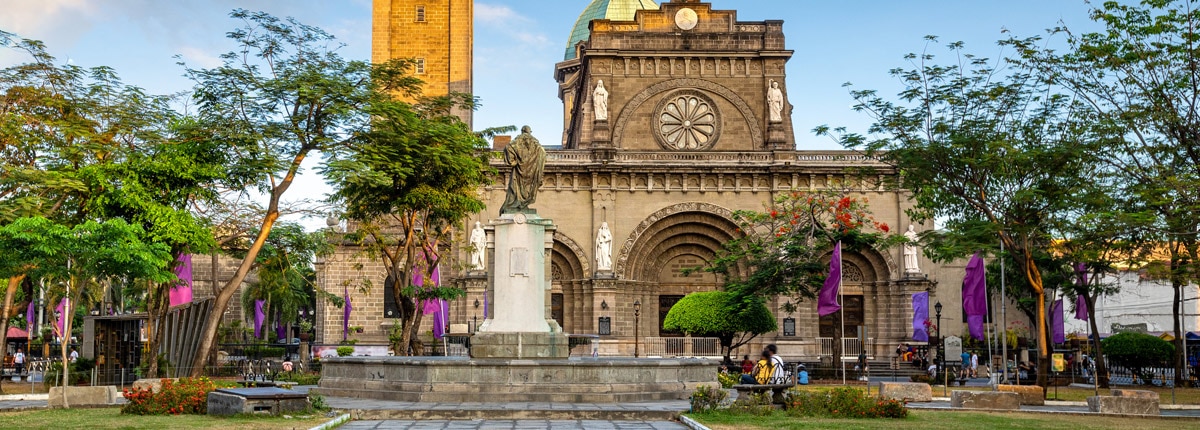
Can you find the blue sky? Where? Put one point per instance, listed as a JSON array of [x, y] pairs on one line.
[[517, 43]]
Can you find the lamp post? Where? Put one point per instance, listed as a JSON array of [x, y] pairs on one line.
[[637, 339], [937, 309]]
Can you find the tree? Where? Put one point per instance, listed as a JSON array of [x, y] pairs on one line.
[[988, 147], [83, 255], [784, 249], [285, 272], [720, 314], [284, 94], [1138, 351], [1140, 79], [79, 144], [407, 183]]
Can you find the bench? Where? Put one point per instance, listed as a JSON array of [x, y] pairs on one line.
[[788, 380]]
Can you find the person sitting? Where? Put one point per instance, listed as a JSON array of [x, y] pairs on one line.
[[747, 364], [802, 375], [779, 369], [761, 373]]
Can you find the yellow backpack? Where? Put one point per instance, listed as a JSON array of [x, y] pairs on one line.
[[764, 372]]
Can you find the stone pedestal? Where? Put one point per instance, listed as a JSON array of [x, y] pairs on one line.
[[906, 391], [989, 400], [103, 395], [273, 401], [519, 325]]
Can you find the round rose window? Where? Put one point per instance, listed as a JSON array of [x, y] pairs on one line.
[[687, 120]]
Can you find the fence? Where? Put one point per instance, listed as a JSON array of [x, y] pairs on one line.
[[851, 347]]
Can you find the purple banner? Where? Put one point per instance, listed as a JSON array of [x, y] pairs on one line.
[[485, 304], [182, 293], [29, 317], [974, 293], [920, 306], [1081, 307], [1056, 322], [58, 318], [259, 316], [827, 302], [280, 329], [346, 315]]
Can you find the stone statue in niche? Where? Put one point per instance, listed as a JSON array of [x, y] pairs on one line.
[[478, 247], [604, 248], [910, 251], [527, 158], [600, 102], [775, 102]]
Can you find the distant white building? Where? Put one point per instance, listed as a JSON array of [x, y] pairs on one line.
[[1139, 301]]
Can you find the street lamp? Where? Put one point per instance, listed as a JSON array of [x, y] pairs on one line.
[[637, 314], [937, 309]]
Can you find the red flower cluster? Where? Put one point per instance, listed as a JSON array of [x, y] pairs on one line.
[[188, 396]]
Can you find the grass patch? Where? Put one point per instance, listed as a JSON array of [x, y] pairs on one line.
[[111, 418], [924, 420]]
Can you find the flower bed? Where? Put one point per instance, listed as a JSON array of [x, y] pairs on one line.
[[842, 403], [187, 396]]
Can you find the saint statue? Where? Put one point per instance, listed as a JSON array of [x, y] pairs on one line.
[[775, 102], [600, 102], [527, 158], [910, 251], [604, 248], [478, 247]]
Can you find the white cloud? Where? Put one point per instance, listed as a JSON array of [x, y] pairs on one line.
[[497, 15], [199, 58]]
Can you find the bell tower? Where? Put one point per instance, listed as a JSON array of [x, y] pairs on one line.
[[437, 34]]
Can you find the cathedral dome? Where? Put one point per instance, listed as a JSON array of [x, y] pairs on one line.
[[616, 10]]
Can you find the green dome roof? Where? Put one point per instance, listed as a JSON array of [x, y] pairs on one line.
[[616, 10]]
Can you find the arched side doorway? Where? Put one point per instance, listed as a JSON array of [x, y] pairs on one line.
[[662, 247], [570, 297]]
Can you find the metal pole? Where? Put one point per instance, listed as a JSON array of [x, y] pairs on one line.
[[1003, 317]]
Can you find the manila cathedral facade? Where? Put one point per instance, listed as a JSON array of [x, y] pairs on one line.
[[675, 116]]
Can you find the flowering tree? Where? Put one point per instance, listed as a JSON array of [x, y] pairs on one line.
[[782, 248]]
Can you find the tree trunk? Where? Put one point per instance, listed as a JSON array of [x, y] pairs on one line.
[[13, 283], [156, 305], [1098, 357], [221, 301]]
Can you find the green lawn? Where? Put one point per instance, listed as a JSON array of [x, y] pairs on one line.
[[926, 420], [111, 418]]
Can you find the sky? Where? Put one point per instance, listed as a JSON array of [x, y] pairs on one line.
[[517, 43]]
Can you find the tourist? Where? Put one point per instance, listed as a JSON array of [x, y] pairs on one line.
[[19, 361], [932, 370], [974, 364], [747, 364], [861, 367], [803, 375], [761, 373], [74, 355], [965, 370], [779, 369]]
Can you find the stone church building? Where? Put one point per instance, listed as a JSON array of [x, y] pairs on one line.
[[692, 123]]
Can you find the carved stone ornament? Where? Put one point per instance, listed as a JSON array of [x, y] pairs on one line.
[[687, 120]]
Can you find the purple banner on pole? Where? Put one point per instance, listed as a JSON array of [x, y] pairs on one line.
[[58, 318], [485, 304], [1081, 307], [827, 302], [280, 329], [182, 293], [346, 315], [920, 306], [259, 316], [1056, 322], [974, 293]]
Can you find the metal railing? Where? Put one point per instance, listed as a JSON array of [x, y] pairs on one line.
[[709, 347], [851, 347]]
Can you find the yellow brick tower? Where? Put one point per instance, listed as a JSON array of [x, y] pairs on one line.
[[438, 34]]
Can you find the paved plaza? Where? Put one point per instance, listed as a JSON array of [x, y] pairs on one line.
[[513, 424]]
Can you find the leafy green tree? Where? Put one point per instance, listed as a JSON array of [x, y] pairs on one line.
[[79, 144], [284, 94], [785, 248], [1137, 351], [82, 255], [285, 272], [1138, 76], [407, 183], [986, 146], [722, 315]]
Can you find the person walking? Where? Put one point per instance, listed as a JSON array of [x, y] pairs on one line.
[[974, 364], [19, 361]]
